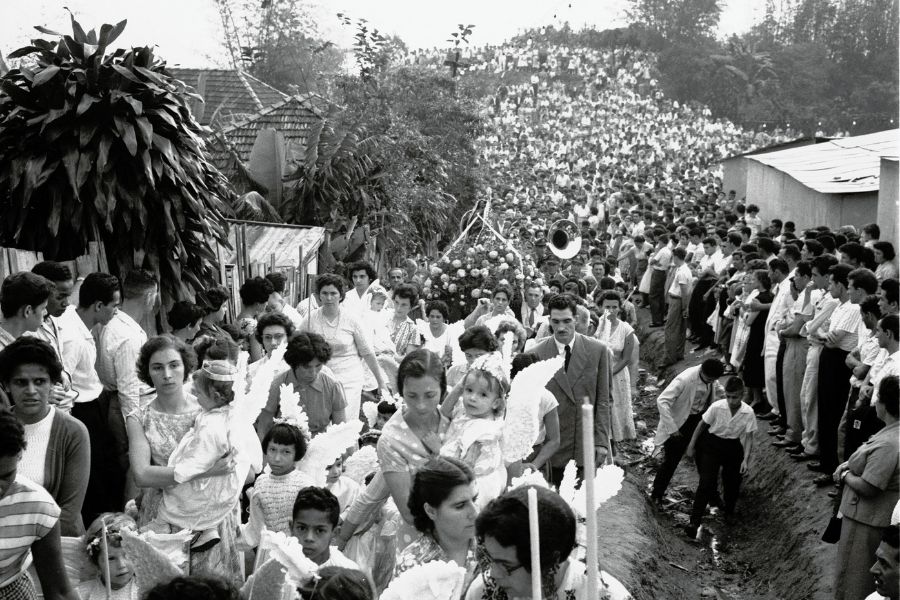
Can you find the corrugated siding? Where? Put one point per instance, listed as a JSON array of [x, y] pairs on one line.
[[779, 195], [282, 241], [888, 199]]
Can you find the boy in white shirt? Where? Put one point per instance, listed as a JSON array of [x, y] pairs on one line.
[[723, 440]]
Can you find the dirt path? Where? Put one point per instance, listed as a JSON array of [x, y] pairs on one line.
[[773, 552]]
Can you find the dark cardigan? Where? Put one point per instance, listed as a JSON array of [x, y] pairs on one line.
[[66, 470]]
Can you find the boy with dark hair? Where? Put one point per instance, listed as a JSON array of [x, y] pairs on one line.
[[723, 441], [98, 301], [681, 404], [23, 304], [315, 517]]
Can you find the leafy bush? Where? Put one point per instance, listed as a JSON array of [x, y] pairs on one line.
[[102, 146]]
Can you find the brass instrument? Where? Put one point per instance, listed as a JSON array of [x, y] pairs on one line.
[[564, 239]]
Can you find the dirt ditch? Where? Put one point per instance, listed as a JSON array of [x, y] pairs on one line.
[[772, 552]]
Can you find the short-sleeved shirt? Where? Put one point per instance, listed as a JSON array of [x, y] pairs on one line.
[[320, 399], [27, 514], [663, 256], [682, 276], [877, 462], [727, 426], [846, 317]]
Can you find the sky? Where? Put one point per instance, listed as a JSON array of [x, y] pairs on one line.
[[189, 32]]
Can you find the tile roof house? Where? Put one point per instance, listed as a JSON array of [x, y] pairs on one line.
[[237, 107], [230, 148], [229, 95]]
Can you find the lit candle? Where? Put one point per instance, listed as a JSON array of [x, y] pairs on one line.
[[535, 535], [590, 470], [104, 567]]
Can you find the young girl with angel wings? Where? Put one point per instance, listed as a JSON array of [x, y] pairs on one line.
[[475, 432], [294, 462]]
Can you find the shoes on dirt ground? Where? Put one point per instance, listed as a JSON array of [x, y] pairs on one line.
[[823, 480]]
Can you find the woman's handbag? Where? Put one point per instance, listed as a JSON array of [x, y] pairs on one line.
[[832, 534]]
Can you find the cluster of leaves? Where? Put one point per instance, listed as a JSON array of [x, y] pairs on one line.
[[336, 178], [458, 39], [427, 153], [368, 47], [102, 146]]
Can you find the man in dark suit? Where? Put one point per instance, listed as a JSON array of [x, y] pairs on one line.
[[585, 377]]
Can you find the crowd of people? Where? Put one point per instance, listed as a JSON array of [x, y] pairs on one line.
[[212, 427]]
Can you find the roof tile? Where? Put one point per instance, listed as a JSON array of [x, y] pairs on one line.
[[229, 94]]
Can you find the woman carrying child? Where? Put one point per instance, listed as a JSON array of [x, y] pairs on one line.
[[412, 436], [155, 431]]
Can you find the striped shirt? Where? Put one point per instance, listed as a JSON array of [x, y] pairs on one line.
[[27, 514]]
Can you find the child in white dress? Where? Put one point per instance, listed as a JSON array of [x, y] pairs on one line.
[[122, 584], [475, 432], [272, 495], [201, 504]]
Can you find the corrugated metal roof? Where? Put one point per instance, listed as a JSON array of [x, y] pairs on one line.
[[800, 141], [228, 94], [840, 166], [284, 241]]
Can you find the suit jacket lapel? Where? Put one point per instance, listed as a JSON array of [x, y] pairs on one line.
[[579, 360], [561, 377]]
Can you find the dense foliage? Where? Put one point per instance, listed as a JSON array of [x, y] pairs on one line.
[[102, 146], [278, 42], [827, 65]]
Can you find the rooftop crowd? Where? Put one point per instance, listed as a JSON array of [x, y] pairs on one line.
[[111, 432]]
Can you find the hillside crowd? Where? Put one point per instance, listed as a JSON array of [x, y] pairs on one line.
[[358, 444]]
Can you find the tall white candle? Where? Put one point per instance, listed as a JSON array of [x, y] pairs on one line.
[[590, 471], [535, 534], [104, 549]]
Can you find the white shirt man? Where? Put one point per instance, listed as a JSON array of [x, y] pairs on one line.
[[79, 356]]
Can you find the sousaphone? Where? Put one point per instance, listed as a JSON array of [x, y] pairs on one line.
[[564, 239]]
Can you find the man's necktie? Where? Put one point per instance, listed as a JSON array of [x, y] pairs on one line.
[[568, 357], [531, 318]]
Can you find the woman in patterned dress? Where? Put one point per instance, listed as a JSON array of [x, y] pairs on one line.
[[619, 338], [442, 503], [412, 436], [154, 431], [403, 330]]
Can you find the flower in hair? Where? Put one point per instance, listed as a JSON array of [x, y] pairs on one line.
[[220, 370], [493, 364]]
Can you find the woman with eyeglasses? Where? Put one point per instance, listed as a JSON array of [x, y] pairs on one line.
[[504, 551], [273, 330]]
